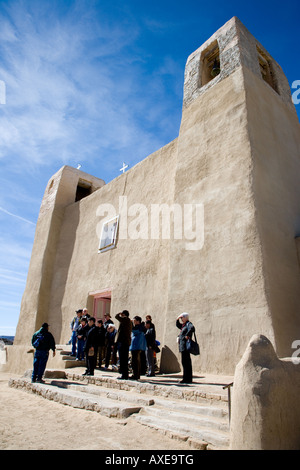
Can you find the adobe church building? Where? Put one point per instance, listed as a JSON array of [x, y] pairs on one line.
[[229, 256]]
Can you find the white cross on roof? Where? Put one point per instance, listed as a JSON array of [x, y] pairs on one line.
[[124, 167]]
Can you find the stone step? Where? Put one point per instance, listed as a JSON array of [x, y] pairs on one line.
[[163, 406], [194, 420], [69, 362], [213, 439], [112, 394], [201, 394], [220, 411], [78, 399]]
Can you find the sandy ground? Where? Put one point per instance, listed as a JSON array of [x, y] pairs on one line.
[[30, 422]]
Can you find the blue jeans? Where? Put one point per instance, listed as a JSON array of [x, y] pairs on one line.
[[39, 364], [74, 341], [80, 346]]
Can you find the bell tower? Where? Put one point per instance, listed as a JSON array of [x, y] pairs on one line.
[[239, 156], [230, 48]]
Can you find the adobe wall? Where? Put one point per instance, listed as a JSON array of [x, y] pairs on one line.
[[221, 285], [264, 411], [238, 154], [274, 133], [59, 193], [136, 271]]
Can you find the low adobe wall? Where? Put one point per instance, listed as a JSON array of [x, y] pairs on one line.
[[265, 413]]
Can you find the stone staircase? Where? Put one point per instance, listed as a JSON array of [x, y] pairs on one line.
[[206, 426], [197, 413], [66, 359]]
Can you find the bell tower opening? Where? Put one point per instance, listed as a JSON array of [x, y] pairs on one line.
[[84, 189], [266, 69], [210, 63]]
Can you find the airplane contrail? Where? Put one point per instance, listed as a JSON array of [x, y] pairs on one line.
[[16, 216]]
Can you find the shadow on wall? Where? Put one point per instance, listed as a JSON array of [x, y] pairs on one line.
[[169, 362], [60, 263]]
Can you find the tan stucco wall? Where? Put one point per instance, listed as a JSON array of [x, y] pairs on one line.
[[274, 133], [59, 193], [221, 286], [136, 271]]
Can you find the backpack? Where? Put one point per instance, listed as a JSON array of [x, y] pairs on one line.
[[39, 341]]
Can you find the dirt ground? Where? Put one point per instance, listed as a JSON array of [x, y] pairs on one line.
[[30, 422]]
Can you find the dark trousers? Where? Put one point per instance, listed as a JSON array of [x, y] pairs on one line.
[[187, 366], [39, 364], [91, 362], [150, 361], [136, 364], [111, 354], [101, 354], [123, 355]]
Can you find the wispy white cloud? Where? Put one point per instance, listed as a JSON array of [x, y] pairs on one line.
[[15, 254], [10, 276], [16, 216], [76, 86]]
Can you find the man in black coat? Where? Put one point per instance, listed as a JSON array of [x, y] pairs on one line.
[[91, 347], [101, 342], [150, 340], [81, 333], [123, 340]]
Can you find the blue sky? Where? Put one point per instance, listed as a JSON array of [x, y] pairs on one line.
[[100, 83]]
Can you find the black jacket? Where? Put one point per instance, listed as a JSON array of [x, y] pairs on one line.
[[92, 339], [187, 329], [124, 331], [150, 338], [101, 335], [82, 332]]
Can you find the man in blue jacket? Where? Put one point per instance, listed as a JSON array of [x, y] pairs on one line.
[[42, 340], [138, 344]]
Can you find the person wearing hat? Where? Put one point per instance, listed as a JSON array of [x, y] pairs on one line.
[[74, 325], [186, 331], [42, 340]]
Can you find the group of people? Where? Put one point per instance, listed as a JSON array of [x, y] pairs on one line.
[[102, 341], [105, 342]]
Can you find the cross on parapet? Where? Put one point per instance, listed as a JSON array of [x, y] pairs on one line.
[[124, 167]]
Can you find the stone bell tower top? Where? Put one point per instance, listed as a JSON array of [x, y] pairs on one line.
[[229, 48]]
